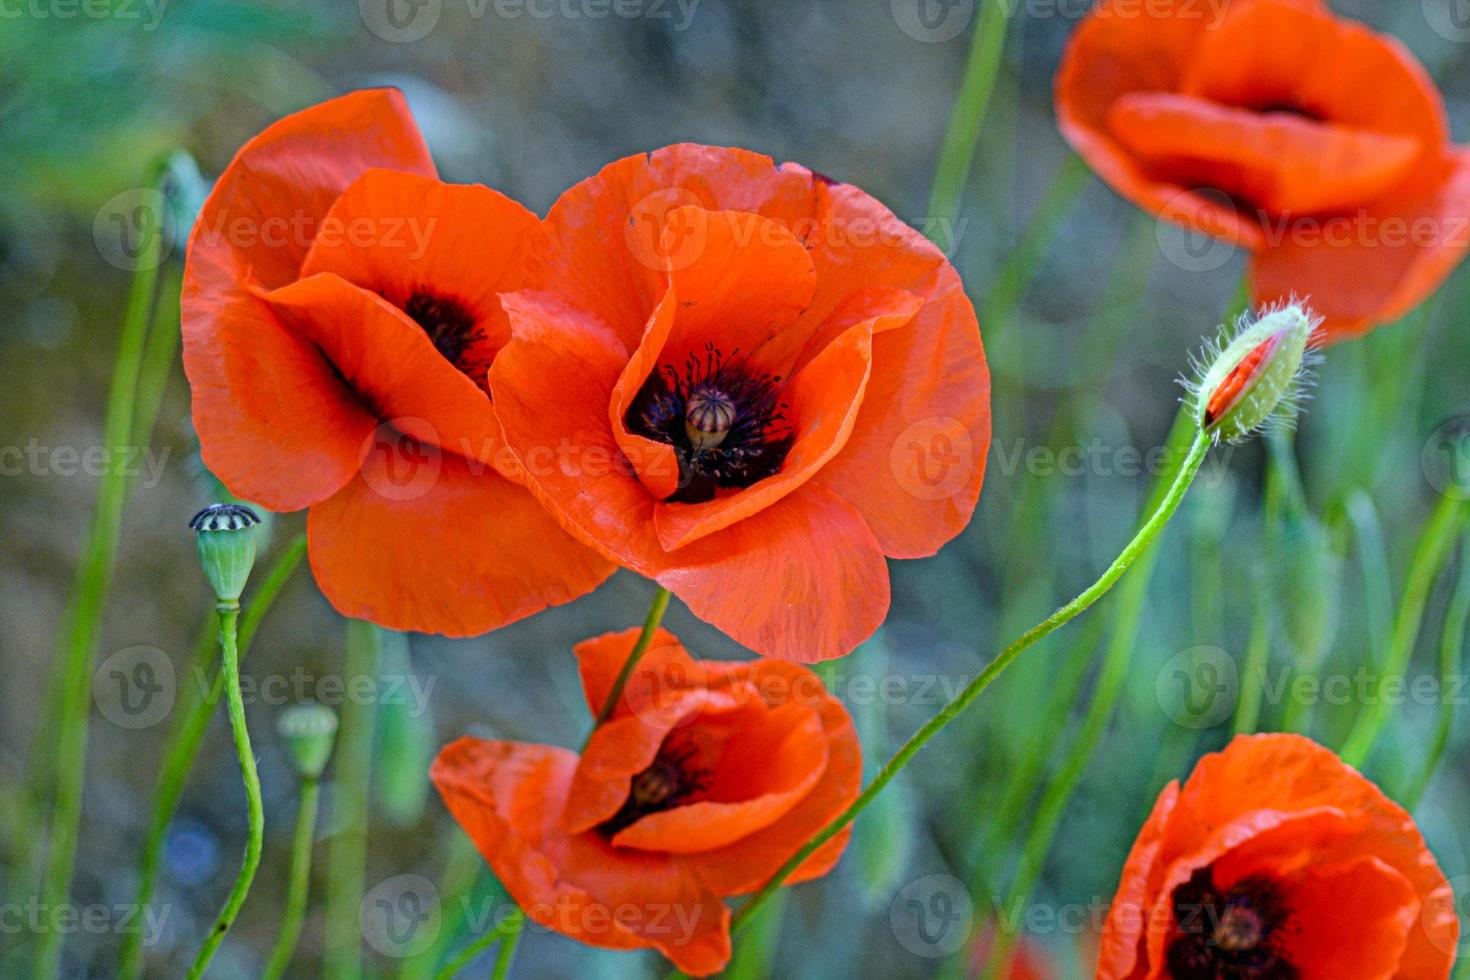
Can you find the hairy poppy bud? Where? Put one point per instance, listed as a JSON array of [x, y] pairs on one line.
[[1257, 376], [225, 534], [308, 730]]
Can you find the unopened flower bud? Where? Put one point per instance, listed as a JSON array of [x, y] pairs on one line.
[[1257, 376], [225, 534], [309, 730]]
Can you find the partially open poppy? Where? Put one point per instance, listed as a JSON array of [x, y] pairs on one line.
[[750, 383], [705, 780], [1277, 860], [339, 321], [1317, 144]]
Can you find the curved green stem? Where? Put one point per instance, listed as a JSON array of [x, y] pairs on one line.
[[513, 928], [957, 152], [300, 881], [645, 638], [1451, 644], [194, 712], [1131, 553], [509, 931], [229, 616], [1430, 554]]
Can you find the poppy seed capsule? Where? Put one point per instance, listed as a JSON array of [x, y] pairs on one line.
[[708, 415], [1255, 375], [225, 535], [308, 730]]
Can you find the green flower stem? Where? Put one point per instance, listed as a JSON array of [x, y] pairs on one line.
[[229, 615], [1431, 553], [462, 868], [300, 881], [1137, 547], [84, 611], [1373, 559], [957, 153], [1258, 645], [158, 356], [1451, 645], [509, 931], [645, 638], [512, 928], [193, 713], [1019, 268], [347, 847], [1116, 661]]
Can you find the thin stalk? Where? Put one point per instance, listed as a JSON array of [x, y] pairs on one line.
[[957, 152], [1258, 647], [84, 610], [1130, 554], [645, 638], [1430, 554], [194, 712], [1019, 268], [513, 928], [462, 867], [347, 848], [1373, 559], [229, 615], [299, 884], [1116, 661], [1451, 645]]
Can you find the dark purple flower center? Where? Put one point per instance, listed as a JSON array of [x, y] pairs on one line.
[[1228, 935]]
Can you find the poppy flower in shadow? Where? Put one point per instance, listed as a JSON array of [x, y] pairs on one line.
[[706, 778], [339, 322], [1317, 144], [1277, 860], [749, 383]]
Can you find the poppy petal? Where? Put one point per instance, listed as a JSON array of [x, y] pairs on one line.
[[802, 580], [391, 364], [823, 402], [404, 236], [508, 797], [1350, 919], [656, 463], [773, 759], [1276, 161], [749, 863], [1128, 923], [273, 421], [428, 541], [665, 667], [1374, 266]]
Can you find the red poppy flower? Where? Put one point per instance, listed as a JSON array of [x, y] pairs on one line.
[[1277, 860], [750, 383], [1317, 144], [339, 321], [706, 779]]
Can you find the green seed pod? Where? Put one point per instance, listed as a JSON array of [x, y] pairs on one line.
[[309, 731], [1257, 376], [225, 534]]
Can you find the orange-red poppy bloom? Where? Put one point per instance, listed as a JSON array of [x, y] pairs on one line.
[[1277, 860], [750, 383], [1317, 144], [704, 781], [339, 320]]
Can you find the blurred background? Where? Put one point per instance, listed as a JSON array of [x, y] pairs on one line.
[[531, 96]]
